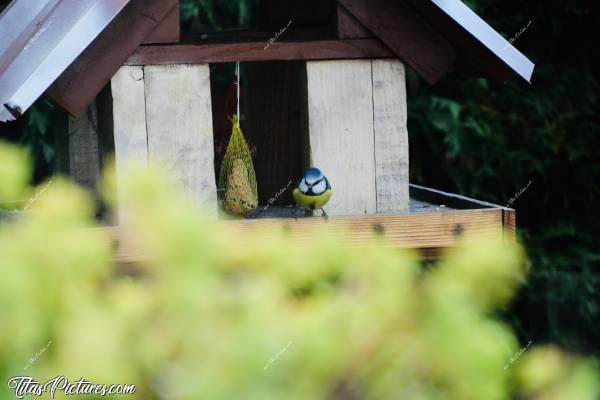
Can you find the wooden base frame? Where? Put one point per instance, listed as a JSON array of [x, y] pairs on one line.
[[435, 223]]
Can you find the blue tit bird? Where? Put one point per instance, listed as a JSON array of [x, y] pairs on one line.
[[313, 191]]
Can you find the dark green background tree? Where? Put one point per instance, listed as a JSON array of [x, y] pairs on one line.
[[489, 140]]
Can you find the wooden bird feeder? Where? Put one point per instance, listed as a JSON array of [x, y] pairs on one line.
[[329, 91]]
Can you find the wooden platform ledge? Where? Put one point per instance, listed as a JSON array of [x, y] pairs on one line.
[[435, 222]]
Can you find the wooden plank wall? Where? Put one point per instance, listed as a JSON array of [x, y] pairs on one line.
[[129, 119], [84, 148], [179, 125], [163, 117], [391, 136], [358, 135], [85, 145], [340, 119]]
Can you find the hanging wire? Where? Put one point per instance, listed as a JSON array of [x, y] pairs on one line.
[[237, 74]]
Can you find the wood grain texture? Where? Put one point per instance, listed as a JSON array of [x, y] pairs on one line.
[[94, 68], [391, 136], [348, 27], [84, 148], [275, 94], [402, 29], [422, 230], [179, 125], [129, 121], [340, 120], [509, 220], [169, 29], [254, 51], [430, 232]]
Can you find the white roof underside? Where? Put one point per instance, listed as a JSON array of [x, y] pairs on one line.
[[484, 33], [39, 39]]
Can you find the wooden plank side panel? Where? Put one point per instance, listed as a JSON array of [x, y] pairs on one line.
[[129, 121], [423, 230], [84, 149], [509, 220], [391, 136], [255, 51], [399, 26], [431, 232], [180, 135], [341, 139], [86, 77]]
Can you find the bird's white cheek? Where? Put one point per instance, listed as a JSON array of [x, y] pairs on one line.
[[303, 186], [320, 187]]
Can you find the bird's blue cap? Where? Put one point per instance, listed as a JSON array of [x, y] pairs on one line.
[[313, 175]]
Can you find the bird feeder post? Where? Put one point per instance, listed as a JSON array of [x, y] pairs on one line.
[[358, 135]]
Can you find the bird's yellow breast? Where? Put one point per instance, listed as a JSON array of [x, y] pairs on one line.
[[311, 202]]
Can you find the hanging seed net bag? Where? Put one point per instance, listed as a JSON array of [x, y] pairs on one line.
[[238, 194]]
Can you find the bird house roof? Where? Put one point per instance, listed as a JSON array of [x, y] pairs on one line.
[[72, 48], [42, 39]]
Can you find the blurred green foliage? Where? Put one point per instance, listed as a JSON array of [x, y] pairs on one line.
[[208, 314], [488, 141], [218, 15]]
